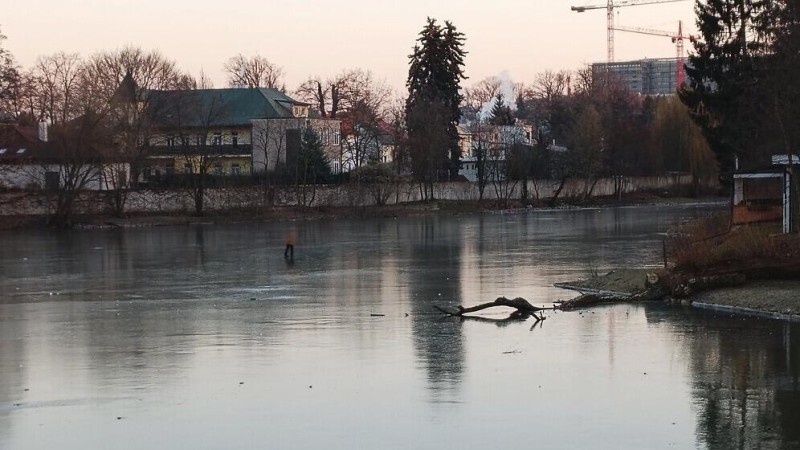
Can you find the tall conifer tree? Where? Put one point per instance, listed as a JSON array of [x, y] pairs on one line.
[[434, 76], [724, 92], [744, 91]]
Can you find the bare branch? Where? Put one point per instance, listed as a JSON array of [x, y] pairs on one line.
[[255, 71]]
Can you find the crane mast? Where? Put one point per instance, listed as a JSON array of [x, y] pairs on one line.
[[609, 7]]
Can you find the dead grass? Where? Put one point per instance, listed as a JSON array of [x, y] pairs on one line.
[[708, 247]]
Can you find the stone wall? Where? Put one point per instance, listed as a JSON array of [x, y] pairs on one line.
[[350, 195]]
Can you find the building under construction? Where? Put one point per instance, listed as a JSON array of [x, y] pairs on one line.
[[645, 76]]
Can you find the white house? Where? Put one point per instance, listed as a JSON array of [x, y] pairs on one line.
[[29, 161]]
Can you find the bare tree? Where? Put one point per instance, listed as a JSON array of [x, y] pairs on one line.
[[585, 82], [396, 116], [320, 94], [254, 71], [364, 100], [502, 162], [359, 87], [76, 155], [57, 80], [480, 145], [550, 85], [203, 81], [478, 95], [585, 158], [349, 89], [269, 141], [23, 100], [119, 84]]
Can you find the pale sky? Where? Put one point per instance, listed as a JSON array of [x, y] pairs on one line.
[[323, 37]]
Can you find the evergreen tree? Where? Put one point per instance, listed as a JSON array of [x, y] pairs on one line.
[[9, 76], [524, 109], [312, 163], [744, 91], [724, 92], [435, 71], [501, 112]]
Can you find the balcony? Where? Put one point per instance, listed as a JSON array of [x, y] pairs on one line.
[[239, 150]]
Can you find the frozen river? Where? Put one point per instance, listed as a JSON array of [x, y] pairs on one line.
[[204, 337]]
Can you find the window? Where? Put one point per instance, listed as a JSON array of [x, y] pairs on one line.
[[187, 169], [336, 167], [235, 138], [122, 179], [336, 138], [170, 141], [217, 169], [170, 169], [300, 111], [235, 169], [201, 139], [51, 180], [185, 141], [217, 139]]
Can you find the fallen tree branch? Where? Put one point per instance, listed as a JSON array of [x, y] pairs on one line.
[[585, 300], [523, 308]]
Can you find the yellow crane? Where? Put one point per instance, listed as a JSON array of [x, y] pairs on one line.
[[609, 7]]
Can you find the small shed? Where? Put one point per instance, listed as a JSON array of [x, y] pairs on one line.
[[764, 195]]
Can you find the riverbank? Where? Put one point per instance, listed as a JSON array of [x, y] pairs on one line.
[[777, 299], [295, 213]]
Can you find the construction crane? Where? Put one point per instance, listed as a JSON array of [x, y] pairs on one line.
[[677, 38], [609, 7]]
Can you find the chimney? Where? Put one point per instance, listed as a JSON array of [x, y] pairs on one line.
[[43, 131]]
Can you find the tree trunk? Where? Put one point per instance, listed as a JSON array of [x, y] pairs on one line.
[[554, 198]]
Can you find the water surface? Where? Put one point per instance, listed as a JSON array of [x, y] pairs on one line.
[[204, 337]]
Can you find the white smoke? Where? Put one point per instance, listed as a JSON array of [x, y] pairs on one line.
[[507, 89]]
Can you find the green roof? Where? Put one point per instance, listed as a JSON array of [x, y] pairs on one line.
[[218, 107]]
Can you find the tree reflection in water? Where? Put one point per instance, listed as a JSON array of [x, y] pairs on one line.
[[745, 384]]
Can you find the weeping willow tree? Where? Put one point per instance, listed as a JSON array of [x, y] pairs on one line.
[[680, 144]]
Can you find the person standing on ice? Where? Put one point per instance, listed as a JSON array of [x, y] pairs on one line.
[[291, 237]]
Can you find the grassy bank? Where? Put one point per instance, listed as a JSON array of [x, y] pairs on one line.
[[711, 246]]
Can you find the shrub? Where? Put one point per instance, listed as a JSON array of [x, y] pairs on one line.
[[707, 247]]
